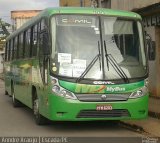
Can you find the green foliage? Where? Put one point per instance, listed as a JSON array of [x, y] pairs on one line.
[[3, 30]]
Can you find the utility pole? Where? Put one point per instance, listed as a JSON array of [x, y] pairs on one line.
[[99, 3], [81, 3], [94, 3]]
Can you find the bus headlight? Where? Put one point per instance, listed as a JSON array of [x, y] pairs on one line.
[[139, 93], [67, 94], [62, 92], [56, 89]]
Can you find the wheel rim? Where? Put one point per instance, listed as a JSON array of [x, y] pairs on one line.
[[36, 108]]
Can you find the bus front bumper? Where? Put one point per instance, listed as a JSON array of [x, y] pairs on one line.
[[61, 109]]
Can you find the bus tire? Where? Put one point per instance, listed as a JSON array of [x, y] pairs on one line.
[[6, 93], [15, 102], [39, 119]]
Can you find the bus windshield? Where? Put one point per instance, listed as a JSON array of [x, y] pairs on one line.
[[101, 48]]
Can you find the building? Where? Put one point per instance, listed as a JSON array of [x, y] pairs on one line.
[[86, 3], [75, 3], [151, 20], [131, 4], [114, 4], [20, 17]]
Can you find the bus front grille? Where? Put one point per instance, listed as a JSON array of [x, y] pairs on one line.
[[98, 97], [103, 114]]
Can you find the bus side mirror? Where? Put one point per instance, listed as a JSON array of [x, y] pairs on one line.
[[151, 50], [151, 47], [45, 44]]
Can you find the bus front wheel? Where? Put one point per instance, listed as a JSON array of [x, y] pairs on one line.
[[40, 120], [15, 102]]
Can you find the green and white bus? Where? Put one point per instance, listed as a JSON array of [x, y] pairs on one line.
[[79, 64]]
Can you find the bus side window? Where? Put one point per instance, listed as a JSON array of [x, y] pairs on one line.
[[38, 36], [43, 25], [42, 29], [21, 45], [31, 41], [34, 40], [27, 43], [43, 59], [11, 49], [6, 51], [24, 44], [15, 47], [39, 28], [18, 46]]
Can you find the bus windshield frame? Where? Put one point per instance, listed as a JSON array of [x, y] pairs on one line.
[[91, 43]]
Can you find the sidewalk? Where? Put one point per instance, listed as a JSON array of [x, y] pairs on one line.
[[150, 125], [1, 76], [154, 107]]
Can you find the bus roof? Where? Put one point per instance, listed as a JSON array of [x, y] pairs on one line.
[[75, 10]]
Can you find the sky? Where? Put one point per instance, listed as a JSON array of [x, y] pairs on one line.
[[6, 6]]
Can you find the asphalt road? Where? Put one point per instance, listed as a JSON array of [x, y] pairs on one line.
[[20, 122]]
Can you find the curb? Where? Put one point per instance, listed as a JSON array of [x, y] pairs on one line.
[[133, 127], [154, 114]]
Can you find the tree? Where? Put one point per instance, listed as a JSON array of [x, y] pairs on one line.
[[3, 26], [3, 33]]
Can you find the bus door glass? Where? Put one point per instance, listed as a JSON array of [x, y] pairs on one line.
[[43, 58]]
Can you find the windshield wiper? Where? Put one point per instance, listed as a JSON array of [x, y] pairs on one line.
[[99, 51], [98, 56], [110, 59], [106, 55]]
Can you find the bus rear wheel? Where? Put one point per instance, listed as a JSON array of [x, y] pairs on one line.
[[6, 93], [40, 120]]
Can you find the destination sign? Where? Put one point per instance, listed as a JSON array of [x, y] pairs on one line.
[[75, 20]]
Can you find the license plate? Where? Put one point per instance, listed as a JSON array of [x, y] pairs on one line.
[[103, 107]]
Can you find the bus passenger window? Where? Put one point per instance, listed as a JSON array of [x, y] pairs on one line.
[[11, 49], [21, 45], [34, 40], [43, 25], [8, 51], [24, 44], [15, 47], [27, 43]]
